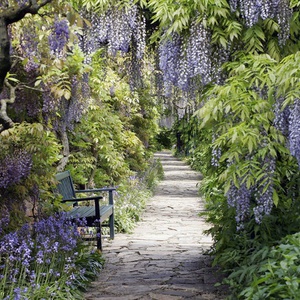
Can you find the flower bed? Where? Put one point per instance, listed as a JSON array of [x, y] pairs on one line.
[[47, 260]]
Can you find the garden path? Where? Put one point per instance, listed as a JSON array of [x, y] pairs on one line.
[[163, 259]]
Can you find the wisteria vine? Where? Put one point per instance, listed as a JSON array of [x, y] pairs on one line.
[[257, 197], [14, 167], [279, 10]]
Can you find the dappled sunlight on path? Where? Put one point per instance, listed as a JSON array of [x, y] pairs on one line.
[[164, 257]]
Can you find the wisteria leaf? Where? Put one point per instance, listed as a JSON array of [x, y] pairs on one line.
[[275, 198]]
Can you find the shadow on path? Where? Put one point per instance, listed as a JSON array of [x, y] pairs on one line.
[[164, 257]]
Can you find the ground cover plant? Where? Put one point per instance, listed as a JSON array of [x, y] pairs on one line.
[[132, 196], [46, 260], [270, 272]]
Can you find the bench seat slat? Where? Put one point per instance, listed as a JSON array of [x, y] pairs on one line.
[[89, 211]]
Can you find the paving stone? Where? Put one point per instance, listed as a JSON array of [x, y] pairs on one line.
[[163, 258]]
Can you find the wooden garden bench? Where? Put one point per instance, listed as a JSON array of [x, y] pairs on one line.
[[95, 214]]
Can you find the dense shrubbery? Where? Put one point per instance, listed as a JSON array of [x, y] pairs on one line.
[[245, 147], [269, 272], [49, 259]]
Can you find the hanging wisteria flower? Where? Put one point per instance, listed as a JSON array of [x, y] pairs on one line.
[[294, 130], [199, 52], [15, 167], [28, 48], [59, 35], [282, 117], [279, 10], [239, 198], [169, 55], [263, 192]]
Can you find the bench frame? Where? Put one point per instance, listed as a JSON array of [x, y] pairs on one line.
[[95, 215]]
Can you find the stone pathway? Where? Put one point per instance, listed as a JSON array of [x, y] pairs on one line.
[[164, 257]]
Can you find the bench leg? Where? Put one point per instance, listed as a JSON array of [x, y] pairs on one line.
[[98, 220], [112, 226], [99, 237]]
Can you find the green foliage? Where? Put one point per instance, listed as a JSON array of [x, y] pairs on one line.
[[102, 148], [133, 194], [237, 119], [36, 188], [269, 272], [153, 174], [92, 263], [129, 204], [164, 138], [288, 78], [241, 112], [227, 28]]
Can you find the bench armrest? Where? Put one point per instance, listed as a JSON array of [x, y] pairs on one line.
[[110, 190], [105, 189], [82, 199]]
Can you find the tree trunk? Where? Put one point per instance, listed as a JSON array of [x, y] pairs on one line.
[[4, 52]]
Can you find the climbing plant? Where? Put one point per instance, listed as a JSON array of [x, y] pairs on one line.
[[83, 83]]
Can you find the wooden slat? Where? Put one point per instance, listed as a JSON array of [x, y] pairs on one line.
[[89, 211]]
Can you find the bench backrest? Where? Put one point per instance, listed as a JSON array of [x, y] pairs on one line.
[[65, 186]]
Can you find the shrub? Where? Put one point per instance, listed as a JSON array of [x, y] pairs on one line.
[[132, 195], [269, 272]]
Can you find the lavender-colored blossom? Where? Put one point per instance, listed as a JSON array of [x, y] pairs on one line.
[[85, 88], [279, 10], [264, 191], [199, 52], [59, 36], [120, 32], [30, 252], [294, 130], [28, 46], [169, 54], [50, 104], [139, 34], [282, 117], [15, 167], [239, 198]]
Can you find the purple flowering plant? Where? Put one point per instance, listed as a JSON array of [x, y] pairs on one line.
[[44, 260]]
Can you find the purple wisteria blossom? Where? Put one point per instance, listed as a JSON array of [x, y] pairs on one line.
[[59, 36], [15, 167], [251, 11], [294, 130], [239, 198]]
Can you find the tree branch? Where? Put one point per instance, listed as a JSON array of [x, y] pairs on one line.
[[15, 14], [22, 85]]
